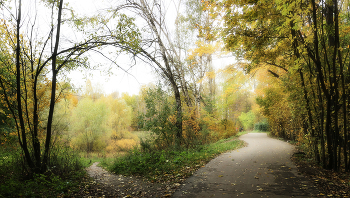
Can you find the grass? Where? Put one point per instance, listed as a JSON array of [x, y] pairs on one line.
[[171, 165], [42, 185], [62, 179]]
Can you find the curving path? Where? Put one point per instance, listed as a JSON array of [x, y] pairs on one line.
[[262, 169]]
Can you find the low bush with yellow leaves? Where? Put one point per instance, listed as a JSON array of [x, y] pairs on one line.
[[121, 145]]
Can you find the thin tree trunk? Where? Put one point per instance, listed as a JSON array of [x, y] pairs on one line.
[[342, 78], [178, 124], [53, 90], [314, 138], [18, 92]]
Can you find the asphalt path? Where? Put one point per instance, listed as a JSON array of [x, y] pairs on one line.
[[261, 169]]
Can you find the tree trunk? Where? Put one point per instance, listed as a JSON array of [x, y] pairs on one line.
[[178, 123], [22, 142], [310, 119], [53, 91]]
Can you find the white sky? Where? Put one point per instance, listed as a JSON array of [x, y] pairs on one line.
[[121, 82]]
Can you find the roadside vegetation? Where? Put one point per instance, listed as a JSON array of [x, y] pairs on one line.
[[170, 165], [61, 179], [70, 178]]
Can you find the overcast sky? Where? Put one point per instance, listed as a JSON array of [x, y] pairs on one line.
[[121, 82]]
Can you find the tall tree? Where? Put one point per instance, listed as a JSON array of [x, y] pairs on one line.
[[157, 49], [202, 19], [29, 66], [302, 43]]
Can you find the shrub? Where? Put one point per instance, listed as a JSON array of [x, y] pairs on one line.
[[160, 116], [262, 126], [247, 120], [121, 145]]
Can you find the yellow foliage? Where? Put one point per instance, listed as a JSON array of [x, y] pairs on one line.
[[121, 145], [190, 124], [74, 100]]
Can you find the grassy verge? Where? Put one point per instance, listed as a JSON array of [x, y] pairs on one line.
[[62, 179], [42, 185], [171, 165]]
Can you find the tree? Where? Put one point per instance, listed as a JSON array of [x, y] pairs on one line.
[[89, 125], [27, 75], [157, 49], [234, 95], [159, 117], [135, 103], [202, 20], [303, 44], [247, 119], [27, 70], [120, 117]]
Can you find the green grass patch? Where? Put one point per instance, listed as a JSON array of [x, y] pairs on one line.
[[241, 133], [171, 165]]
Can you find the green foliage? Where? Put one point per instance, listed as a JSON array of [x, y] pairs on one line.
[[159, 117], [210, 105], [247, 120], [278, 112], [262, 126], [88, 126], [62, 177], [170, 165], [42, 185]]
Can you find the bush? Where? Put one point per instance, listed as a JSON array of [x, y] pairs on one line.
[[262, 126], [121, 145], [247, 120], [160, 116], [64, 161]]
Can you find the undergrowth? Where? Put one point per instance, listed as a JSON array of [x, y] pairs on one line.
[[62, 179], [170, 165]]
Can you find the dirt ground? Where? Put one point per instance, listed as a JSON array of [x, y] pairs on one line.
[[105, 184]]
